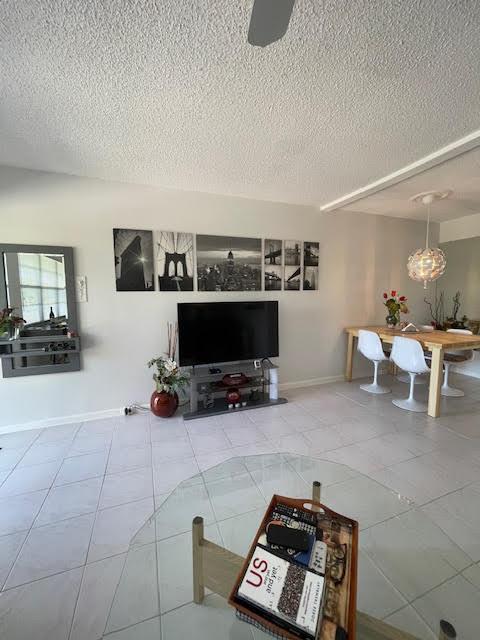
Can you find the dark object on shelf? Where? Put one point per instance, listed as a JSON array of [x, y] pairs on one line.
[[287, 537], [59, 346], [234, 379], [233, 396], [51, 315], [254, 395], [208, 401], [162, 404], [31, 332]]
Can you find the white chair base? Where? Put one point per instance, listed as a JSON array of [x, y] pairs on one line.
[[404, 377], [451, 391], [446, 389], [411, 405], [375, 388]]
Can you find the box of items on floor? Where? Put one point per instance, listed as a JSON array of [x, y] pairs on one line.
[[299, 579]]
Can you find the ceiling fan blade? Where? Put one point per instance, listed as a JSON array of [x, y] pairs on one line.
[[269, 21]]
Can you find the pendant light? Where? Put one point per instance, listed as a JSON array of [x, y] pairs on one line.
[[426, 265]]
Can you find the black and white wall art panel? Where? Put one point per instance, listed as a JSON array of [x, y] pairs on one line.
[[292, 278], [293, 265], [174, 260], [226, 263], [273, 264], [293, 253], [310, 279], [311, 251], [133, 251]]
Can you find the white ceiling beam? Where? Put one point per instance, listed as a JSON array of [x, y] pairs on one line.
[[448, 152]]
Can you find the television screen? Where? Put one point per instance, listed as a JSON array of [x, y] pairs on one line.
[[212, 332]]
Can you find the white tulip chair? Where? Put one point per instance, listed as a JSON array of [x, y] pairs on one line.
[[457, 359], [408, 354], [370, 345]]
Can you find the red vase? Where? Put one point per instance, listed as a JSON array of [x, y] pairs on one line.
[[163, 405], [233, 396]]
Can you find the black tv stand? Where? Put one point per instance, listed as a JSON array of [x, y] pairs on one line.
[[203, 383]]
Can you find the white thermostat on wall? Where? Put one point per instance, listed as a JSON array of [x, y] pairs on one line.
[[81, 288]]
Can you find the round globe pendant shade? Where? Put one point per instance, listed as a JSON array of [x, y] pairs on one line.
[[426, 265]]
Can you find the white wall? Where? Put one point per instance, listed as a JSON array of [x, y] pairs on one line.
[[360, 256], [466, 227]]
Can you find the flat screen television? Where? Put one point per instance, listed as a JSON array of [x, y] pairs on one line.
[[214, 332]]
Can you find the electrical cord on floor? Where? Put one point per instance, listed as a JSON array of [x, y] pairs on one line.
[[140, 407], [133, 408]]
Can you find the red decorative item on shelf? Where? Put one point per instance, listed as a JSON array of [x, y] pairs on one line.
[[233, 396], [234, 379], [163, 404]]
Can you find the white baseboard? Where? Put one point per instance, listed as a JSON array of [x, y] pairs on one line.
[[312, 382], [113, 413], [54, 422], [469, 374]]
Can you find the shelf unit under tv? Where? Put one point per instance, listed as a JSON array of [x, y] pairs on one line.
[[204, 383]]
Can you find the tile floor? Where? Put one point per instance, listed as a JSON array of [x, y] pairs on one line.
[[73, 496]]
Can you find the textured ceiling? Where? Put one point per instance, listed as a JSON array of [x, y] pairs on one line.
[[462, 175], [168, 92]]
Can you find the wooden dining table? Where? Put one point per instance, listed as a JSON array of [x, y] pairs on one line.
[[437, 342]]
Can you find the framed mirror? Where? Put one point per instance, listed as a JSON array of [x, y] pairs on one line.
[[38, 282], [460, 285]]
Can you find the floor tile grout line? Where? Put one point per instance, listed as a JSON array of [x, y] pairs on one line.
[[411, 603], [318, 455], [107, 619], [206, 488], [50, 575], [408, 509], [88, 546], [30, 530], [130, 626], [407, 600], [24, 454], [186, 531], [438, 446], [157, 559]]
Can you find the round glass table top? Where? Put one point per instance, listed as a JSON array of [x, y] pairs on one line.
[[411, 574]]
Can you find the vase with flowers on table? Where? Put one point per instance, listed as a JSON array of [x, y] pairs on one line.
[[396, 304]]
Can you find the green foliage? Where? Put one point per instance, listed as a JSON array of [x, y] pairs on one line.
[[168, 376], [8, 320]]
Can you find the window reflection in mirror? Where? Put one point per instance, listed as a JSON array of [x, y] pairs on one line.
[[36, 285]]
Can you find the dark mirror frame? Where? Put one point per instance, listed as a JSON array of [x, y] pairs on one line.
[[67, 252]]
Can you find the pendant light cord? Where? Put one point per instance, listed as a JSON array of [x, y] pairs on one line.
[[428, 225]]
